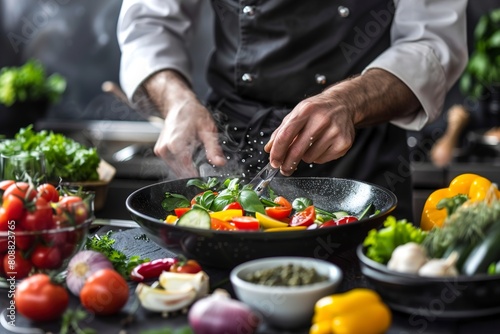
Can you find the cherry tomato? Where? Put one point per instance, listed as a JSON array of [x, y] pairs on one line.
[[48, 191], [73, 208], [14, 207], [23, 241], [221, 225], [186, 266], [5, 184], [38, 218], [346, 220], [233, 205], [328, 223], [105, 292], [305, 217], [246, 223], [3, 245], [4, 220], [280, 212], [39, 299], [22, 190], [180, 211], [16, 265], [44, 257]]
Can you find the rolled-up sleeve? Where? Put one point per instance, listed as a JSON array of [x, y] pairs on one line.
[[154, 35], [428, 53]]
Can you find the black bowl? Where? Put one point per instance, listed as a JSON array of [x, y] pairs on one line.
[[427, 298], [226, 249]]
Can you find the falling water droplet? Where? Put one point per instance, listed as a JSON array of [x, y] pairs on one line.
[[311, 165], [243, 160], [228, 158], [262, 143], [261, 134], [224, 142], [235, 129]]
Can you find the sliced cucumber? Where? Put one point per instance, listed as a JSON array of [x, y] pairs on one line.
[[195, 218]]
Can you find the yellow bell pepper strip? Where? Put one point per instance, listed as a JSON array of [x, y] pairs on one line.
[[268, 222], [286, 229], [359, 310], [171, 219], [226, 215], [443, 202]]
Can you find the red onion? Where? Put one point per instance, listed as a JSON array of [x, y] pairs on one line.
[[82, 265], [218, 313]]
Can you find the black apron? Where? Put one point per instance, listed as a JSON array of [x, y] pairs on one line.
[[272, 54]]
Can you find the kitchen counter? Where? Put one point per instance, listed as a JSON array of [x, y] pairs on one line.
[[133, 319]]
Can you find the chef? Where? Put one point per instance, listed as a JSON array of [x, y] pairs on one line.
[[318, 88]]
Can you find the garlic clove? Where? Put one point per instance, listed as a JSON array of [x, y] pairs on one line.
[[440, 267], [407, 258], [171, 281], [160, 300]]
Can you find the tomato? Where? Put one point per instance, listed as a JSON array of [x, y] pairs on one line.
[[180, 211], [38, 218], [4, 220], [73, 208], [22, 190], [346, 220], [49, 192], [329, 223], [39, 299], [5, 184], [3, 245], [221, 225], [279, 212], [44, 257], [305, 217], [246, 223], [14, 207], [233, 205], [16, 265], [186, 266], [105, 292], [23, 242]]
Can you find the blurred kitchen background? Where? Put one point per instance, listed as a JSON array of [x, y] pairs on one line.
[[77, 39]]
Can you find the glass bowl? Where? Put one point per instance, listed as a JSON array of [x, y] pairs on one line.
[[42, 236]]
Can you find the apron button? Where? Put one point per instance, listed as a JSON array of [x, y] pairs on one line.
[[247, 77], [320, 79], [343, 11], [249, 10]]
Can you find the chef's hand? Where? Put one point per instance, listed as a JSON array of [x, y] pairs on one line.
[[187, 126], [322, 128], [317, 130]]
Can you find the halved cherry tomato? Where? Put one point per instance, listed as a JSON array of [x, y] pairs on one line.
[[304, 218], [221, 225], [279, 212], [233, 205], [180, 211], [328, 223], [246, 223], [186, 266], [346, 220]]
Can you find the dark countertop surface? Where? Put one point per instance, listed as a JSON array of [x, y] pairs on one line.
[[133, 319]]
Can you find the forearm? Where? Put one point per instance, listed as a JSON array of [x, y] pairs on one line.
[[167, 90], [375, 97]]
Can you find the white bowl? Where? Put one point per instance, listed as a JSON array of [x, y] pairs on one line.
[[281, 306]]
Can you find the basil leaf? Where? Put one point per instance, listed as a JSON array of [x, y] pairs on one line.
[[172, 201], [301, 203], [250, 201]]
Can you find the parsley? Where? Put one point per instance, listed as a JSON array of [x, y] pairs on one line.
[[70, 322], [121, 262]]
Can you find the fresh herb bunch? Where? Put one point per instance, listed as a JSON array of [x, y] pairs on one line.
[[121, 262], [29, 83], [65, 159]]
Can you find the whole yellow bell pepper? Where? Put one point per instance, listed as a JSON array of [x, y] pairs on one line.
[[359, 310], [442, 202]]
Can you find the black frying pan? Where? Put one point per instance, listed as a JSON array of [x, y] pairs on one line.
[[226, 249]]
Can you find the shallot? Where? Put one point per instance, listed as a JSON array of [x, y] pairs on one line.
[[83, 265], [218, 313]]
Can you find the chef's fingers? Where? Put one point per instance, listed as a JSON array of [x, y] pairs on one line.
[[213, 150], [282, 138], [329, 146]]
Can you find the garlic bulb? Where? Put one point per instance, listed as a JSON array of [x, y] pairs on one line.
[[407, 258], [440, 267]]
